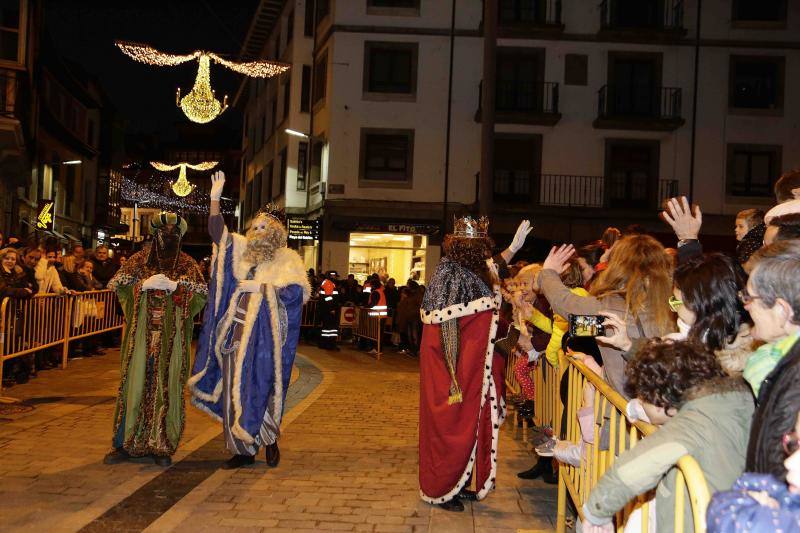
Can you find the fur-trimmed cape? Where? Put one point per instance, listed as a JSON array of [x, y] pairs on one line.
[[265, 354]]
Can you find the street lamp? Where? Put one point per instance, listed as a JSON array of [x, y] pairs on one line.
[[72, 162], [302, 135]]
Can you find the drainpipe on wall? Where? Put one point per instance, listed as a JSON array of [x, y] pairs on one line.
[[694, 100], [449, 119], [487, 105]]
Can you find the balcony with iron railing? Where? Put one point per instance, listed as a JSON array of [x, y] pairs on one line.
[[664, 17], [590, 192], [522, 102], [639, 108], [521, 18]]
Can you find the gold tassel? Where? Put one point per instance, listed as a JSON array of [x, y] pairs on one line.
[[455, 397]]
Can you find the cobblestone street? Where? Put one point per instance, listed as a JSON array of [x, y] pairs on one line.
[[349, 461]]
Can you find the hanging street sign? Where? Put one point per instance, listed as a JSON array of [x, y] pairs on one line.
[[301, 229], [45, 215]]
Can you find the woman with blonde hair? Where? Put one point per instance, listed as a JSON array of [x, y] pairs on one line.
[[636, 285]]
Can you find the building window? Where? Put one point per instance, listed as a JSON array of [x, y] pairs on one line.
[[756, 82], [323, 8], [268, 183], [576, 68], [289, 27], [320, 78], [9, 29], [308, 20], [520, 76], [302, 165], [249, 201], [393, 3], [759, 12], [402, 8], [259, 140], [631, 173], [753, 169], [282, 173], [390, 68], [387, 157], [516, 165], [274, 115], [278, 49], [256, 201], [287, 96], [305, 89], [316, 164]]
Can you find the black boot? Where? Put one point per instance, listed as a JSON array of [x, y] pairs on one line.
[[539, 469], [162, 460], [238, 461], [469, 495], [273, 454], [116, 456], [454, 506], [550, 477]]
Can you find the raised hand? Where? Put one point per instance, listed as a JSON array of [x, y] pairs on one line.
[[217, 183], [616, 331], [558, 258], [684, 220], [519, 237]]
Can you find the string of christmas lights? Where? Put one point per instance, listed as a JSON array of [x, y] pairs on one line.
[[200, 104], [198, 202], [182, 187]]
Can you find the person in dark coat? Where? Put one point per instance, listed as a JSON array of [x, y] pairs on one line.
[[14, 284], [104, 267], [772, 298]]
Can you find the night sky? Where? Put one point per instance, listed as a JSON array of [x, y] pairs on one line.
[[84, 31]]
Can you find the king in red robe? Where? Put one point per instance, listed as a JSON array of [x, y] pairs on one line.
[[461, 377]]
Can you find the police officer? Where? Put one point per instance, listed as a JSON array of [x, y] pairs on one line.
[[329, 312]]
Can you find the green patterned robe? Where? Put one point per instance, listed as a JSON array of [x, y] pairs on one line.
[[155, 354]]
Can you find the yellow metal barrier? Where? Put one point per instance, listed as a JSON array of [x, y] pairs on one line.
[[49, 320], [368, 326], [577, 482]]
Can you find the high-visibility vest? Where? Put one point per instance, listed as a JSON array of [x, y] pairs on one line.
[[327, 287], [380, 308]]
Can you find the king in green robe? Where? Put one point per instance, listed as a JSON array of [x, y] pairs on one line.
[[160, 290]]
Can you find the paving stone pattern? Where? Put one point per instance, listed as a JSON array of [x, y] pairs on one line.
[[349, 461]]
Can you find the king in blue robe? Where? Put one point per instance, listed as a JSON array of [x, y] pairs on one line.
[[251, 328]]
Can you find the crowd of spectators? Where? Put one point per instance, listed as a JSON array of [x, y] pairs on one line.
[[40, 268], [703, 345]]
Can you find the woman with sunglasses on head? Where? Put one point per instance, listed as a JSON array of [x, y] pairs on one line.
[[705, 298]]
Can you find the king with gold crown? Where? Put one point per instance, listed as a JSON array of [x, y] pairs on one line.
[[461, 378], [251, 327]]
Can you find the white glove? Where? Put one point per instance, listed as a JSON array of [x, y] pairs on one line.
[[634, 411], [159, 282], [519, 237], [250, 285], [217, 183]]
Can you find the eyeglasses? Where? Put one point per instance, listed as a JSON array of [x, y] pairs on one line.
[[791, 443], [746, 297], [674, 303]]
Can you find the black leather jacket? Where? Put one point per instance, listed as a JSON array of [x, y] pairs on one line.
[[776, 414]]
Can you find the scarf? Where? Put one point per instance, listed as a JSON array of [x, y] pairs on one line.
[[765, 359]]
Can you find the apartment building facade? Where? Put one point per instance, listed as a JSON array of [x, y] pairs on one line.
[[595, 117]]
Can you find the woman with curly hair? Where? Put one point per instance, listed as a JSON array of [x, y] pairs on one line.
[[702, 412]]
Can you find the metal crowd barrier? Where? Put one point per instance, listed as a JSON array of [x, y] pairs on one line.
[[369, 327], [578, 482], [49, 320], [309, 317]]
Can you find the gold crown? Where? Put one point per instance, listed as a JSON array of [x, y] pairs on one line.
[[471, 228]]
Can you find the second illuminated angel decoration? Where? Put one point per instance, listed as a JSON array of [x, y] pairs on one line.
[[182, 187], [201, 104]]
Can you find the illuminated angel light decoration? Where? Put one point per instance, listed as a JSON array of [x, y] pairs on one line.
[[182, 187], [201, 104]]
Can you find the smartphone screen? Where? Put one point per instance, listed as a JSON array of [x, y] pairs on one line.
[[586, 325]]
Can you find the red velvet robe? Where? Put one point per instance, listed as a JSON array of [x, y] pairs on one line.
[[459, 441]]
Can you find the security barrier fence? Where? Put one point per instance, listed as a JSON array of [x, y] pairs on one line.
[[50, 320], [587, 390]]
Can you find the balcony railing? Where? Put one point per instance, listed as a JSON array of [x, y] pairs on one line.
[[530, 13], [653, 104], [661, 15], [560, 190], [524, 102]]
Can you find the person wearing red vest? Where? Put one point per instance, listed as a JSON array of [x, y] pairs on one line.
[[329, 312]]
